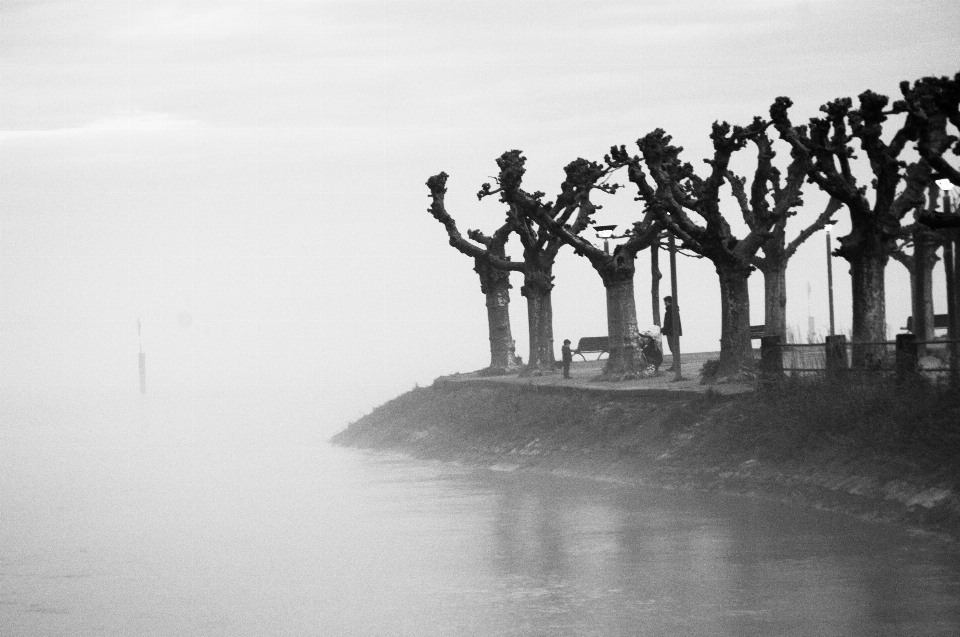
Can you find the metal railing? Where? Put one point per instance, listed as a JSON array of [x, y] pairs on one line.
[[903, 358]]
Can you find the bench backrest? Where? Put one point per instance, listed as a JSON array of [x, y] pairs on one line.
[[592, 344], [940, 322]]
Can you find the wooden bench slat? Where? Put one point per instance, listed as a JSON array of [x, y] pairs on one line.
[[592, 345]]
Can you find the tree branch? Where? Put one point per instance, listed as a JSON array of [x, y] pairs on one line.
[[825, 219], [437, 186]]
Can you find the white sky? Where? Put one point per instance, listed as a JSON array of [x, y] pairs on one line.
[[248, 177]]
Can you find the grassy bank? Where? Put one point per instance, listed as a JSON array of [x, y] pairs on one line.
[[869, 449]]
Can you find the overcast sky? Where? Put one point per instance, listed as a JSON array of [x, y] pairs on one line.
[[247, 177]]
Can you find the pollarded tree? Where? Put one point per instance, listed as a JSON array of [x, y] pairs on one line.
[[920, 263], [493, 268], [827, 155], [933, 105], [616, 270], [677, 190], [540, 249], [760, 215]]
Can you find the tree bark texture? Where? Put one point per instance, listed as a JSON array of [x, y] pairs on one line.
[[623, 334], [655, 276], [736, 350], [775, 301], [495, 285], [537, 289], [869, 307], [921, 286]]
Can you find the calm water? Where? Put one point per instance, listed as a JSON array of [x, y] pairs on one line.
[[224, 517]]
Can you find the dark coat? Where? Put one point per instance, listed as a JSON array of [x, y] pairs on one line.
[[667, 329]]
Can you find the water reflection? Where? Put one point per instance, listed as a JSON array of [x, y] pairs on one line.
[[204, 519], [578, 558]]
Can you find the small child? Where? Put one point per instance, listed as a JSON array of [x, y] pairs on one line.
[[567, 357]]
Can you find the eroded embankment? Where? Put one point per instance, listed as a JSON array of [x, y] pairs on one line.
[[672, 440]]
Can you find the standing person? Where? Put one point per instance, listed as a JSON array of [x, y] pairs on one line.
[[567, 357], [667, 329]]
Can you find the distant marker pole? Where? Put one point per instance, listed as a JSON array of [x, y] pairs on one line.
[[143, 362]]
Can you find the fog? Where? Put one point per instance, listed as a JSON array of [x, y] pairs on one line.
[[236, 189], [247, 178]]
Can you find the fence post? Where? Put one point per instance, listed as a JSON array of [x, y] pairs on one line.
[[771, 361], [906, 357], [836, 355]]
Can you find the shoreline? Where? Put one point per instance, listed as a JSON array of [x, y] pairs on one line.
[[670, 438]]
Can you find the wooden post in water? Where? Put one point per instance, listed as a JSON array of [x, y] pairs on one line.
[[143, 360]]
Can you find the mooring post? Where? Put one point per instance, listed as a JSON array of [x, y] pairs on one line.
[[836, 355], [771, 361], [906, 357]]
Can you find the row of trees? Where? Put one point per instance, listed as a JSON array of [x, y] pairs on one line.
[[907, 147]]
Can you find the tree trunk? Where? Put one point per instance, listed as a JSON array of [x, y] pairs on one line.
[[622, 333], [736, 351], [921, 285], [775, 301], [869, 307], [537, 289], [502, 348], [655, 276], [495, 285]]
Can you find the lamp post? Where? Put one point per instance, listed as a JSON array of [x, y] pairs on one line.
[[830, 281], [675, 314], [950, 270]]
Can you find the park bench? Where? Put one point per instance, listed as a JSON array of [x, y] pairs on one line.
[[940, 322], [756, 331], [591, 345]]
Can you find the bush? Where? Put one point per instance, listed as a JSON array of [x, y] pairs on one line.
[[709, 371]]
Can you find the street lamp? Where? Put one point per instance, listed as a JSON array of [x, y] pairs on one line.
[[608, 237], [950, 266]]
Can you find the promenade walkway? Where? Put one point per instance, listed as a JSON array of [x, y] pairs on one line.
[[583, 376]]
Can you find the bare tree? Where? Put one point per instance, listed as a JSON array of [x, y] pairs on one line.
[[540, 250], [826, 152], [616, 270], [933, 103], [920, 263], [677, 190], [761, 217], [493, 268]]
